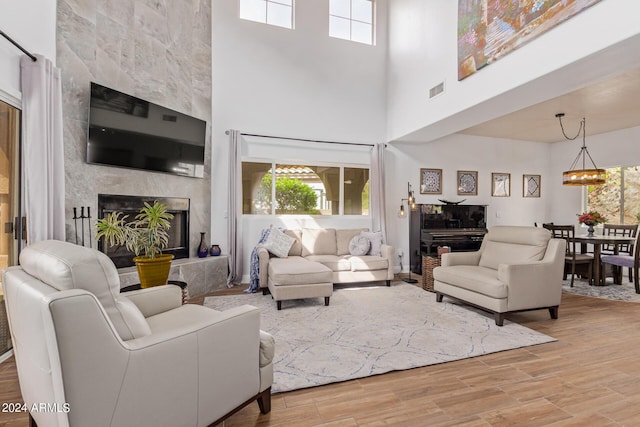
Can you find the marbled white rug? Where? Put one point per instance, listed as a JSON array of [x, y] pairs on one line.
[[372, 330], [624, 292]]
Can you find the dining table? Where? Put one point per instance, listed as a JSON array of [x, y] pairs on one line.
[[597, 241]]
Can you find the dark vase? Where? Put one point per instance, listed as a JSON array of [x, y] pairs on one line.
[[215, 250], [203, 249], [590, 230]]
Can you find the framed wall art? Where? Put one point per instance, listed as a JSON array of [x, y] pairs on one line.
[[467, 183], [531, 185], [430, 181], [500, 184]]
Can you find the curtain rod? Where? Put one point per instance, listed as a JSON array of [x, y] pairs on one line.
[[305, 140], [13, 42]]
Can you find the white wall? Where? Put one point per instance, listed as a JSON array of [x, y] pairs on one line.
[[619, 148], [32, 24], [423, 52], [464, 152], [291, 83]]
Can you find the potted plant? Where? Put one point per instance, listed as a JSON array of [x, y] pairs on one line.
[[146, 236]]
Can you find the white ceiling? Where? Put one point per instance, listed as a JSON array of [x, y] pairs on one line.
[[607, 105]]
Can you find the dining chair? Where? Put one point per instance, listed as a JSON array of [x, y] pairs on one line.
[[572, 259], [619, 261], [629, 230]]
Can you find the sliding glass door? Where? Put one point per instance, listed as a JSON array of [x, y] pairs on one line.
[[9, 203]]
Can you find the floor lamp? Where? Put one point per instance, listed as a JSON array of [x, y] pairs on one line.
[[411, 204]]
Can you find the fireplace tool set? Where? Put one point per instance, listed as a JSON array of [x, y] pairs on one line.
[[82, 218]]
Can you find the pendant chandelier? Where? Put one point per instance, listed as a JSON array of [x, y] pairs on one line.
[[585, 176]]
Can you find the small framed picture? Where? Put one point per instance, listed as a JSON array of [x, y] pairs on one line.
[[500, 184], [531, 185], [467, 183], [430, 181]]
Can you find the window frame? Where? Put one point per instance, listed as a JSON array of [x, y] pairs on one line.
[[352, 20], [340, 166], [266, 13], [621, 200]]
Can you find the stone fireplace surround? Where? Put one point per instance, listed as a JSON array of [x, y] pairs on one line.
[[130, 206], [202, 275]]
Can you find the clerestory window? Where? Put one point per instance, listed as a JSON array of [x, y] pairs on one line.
[[272, 12], [352, 20]]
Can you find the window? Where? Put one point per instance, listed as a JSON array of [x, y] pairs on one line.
[[272, 12], [304, 189], [618, 199], [351, 20]]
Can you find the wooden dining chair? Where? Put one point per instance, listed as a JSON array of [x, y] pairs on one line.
[[572, 259], [626, 230], [620, 261]]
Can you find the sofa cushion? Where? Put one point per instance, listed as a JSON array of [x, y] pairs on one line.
[[297, 271], [344, 237], [473, 278], [513, 245], [368, 263], [320, 241], [278, 243], [334, 262], [376, 242], [359, 245], [296, 248]]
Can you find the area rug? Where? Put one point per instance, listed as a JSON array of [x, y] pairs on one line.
[[624, 292], [372, 330]]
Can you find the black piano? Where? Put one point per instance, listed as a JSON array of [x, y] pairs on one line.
[[461, 227]]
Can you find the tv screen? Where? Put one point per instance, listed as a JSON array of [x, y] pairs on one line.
[[130, 132]]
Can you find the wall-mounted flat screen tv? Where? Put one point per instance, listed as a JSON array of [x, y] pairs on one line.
[[130, 132]]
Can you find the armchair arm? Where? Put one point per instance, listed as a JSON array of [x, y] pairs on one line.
[[389, 252], [460, 258], [263, 266], [536, 284], [155, 300]]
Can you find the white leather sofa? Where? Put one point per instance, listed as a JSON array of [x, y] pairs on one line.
[[516, 269], [96, 357], [318, 259]]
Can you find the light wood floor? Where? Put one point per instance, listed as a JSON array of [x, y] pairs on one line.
[[589, 377]]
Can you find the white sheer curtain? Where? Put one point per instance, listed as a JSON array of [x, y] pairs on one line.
[[378, 216], [234, 202], [42, 150]]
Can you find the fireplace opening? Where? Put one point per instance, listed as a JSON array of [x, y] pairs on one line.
[[130, 206]]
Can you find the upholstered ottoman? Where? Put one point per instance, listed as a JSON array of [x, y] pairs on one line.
[[295, 277]]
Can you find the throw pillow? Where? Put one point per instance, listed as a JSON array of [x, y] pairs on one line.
[[359, 245], [278, 243], [376, 242]]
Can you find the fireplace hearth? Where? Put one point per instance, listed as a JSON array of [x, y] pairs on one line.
[[130, 205]]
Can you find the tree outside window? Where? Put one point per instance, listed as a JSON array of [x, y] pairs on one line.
[[618, 199]]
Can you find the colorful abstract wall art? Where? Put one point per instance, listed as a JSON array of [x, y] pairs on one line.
[[490, 29]]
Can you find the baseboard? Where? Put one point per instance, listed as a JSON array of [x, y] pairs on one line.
[[6, 355]]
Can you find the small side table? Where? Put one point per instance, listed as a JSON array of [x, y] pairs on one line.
[[181, 284]]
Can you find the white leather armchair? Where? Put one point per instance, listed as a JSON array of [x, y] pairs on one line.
[[516, 269], [96, 357]]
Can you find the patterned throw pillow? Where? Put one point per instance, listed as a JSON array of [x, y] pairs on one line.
[[278, 243], [376, 242], [359, 245]]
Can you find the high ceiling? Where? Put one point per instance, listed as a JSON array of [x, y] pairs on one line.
[[607, 105]]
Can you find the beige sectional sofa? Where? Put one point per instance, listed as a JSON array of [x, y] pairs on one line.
[[318, 259]]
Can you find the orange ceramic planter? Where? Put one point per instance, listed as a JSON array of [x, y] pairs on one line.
[[153, 271]]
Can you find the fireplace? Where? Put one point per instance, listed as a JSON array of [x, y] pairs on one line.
[[130, 205]]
